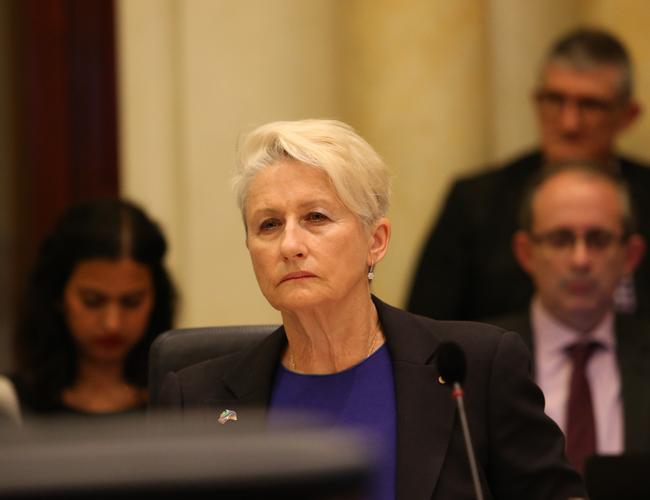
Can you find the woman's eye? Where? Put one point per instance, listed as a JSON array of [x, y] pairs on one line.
[[92, 301], [316, 217], [269, 225], [132, 301]]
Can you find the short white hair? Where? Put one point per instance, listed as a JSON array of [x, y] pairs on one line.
[[358, 174]]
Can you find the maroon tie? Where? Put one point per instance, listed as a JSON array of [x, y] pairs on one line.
[[581, 426]]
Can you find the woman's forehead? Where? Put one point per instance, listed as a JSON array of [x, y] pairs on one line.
[[286, 182], [290, 169], [110, 274]]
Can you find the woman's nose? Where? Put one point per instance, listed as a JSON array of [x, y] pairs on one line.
[[292, 244], [113, 317]]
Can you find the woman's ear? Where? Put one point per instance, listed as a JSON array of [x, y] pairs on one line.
[[379, 238]]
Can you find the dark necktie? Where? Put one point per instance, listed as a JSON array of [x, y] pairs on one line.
[[581, 425]]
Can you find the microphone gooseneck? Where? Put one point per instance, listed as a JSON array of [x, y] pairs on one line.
[[453, 368]]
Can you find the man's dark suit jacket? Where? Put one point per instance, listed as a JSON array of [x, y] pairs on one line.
[[520, 451], [633, 352], [467, 270]]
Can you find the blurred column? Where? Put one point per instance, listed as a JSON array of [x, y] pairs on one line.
[[195, 74], [148, 46], [519, 34], [414, 84]]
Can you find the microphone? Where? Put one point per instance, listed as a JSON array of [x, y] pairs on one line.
[[453, 367]]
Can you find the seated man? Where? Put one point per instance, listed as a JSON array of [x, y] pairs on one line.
[[584, 101], [577, 241]]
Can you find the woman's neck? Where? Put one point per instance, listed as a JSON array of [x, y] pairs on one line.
[[102, 388], [331, 339]]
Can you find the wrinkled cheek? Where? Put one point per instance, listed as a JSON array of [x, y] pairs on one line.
[[263, 280], [258, 267], [268, 293]]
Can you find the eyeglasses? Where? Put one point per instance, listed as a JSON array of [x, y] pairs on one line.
[[552, 103], [596, 240]]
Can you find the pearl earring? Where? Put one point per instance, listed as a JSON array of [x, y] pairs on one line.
[[371, 272]]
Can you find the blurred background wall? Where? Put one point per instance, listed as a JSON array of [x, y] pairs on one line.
[[440, 88]]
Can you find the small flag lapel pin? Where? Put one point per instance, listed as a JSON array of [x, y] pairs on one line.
[[227, 415]]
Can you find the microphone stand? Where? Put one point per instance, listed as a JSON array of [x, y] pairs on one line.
[[457, 394]]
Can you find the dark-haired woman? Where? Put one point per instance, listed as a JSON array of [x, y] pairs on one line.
[[97, 297]]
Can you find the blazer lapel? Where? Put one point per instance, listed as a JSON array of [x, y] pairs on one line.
[[425, 409], [250, 380]]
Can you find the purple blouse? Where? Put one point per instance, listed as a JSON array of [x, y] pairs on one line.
[[361, 397]]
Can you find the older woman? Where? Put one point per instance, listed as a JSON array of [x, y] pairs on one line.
[[314, 197]]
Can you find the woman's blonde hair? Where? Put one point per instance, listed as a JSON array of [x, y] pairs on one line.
[[358, 174]]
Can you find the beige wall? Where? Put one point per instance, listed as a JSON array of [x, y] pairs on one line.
[[194, 75], [519, 35], [415, 87], [438, 87]]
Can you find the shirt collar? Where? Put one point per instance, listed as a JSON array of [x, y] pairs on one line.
[[558, 336]]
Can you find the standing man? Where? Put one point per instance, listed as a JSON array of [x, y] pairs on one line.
[[584, 100], [577, 241]]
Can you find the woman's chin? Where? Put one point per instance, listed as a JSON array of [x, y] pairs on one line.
[[298, 300]]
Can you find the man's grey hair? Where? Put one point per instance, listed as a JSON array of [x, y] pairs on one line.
[[586, 48]]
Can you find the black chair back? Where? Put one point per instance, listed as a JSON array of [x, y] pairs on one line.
[[182, 347]]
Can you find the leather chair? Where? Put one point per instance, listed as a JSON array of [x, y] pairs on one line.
[[182, 347]]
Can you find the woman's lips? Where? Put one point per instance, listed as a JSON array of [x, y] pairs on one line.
[[110, 341], [297, 275]]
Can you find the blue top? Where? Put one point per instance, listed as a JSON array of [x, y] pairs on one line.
[[361, 397]]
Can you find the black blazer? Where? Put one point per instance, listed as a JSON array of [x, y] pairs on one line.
[[633, 352], [467, 270], [520, 451]]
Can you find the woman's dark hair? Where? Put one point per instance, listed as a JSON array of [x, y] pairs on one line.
[[107, 229]]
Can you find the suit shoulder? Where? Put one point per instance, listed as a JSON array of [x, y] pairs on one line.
[[513, 173], [468, 329], [635, 174], [485, 344], [462, 332], [637, 327], [209, 370], [633, 164], [519, 166], [512, 321]]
